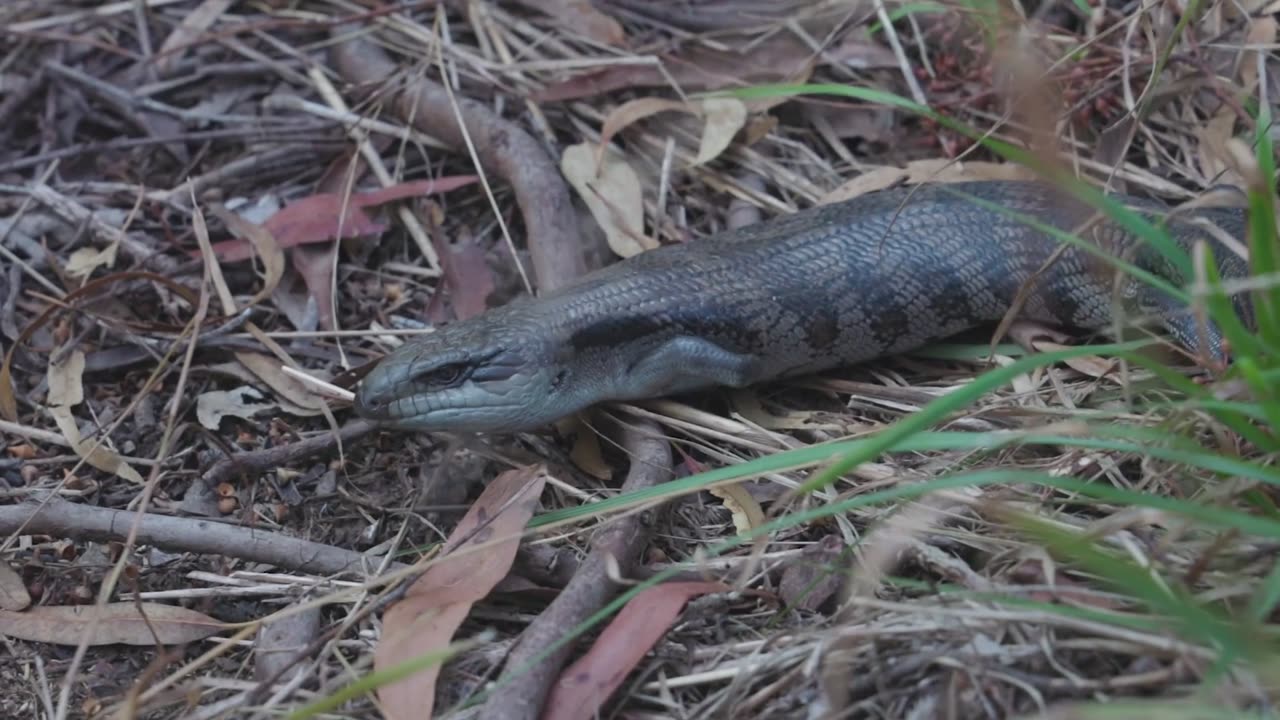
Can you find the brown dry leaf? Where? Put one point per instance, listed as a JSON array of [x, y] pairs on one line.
[[584, 686], [315, 266], [724, 118], [586, 453], [611, 190], [631, 112], [117, 623], [435, 606], [13, 592], [66, 390], [747, 514], [815, 576], [314, 219], [468, 275], [300, 401], [264, 244]]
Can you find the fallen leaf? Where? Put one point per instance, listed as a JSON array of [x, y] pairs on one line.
[[84, 261], [117, 623], [611, 190], [315, 218], [268, 369], [1262, 34], [1215, 160], [724, 118], [315, 266], [747, 514], [467, 274], [433, 608], [814, 576], [631, 112], [242, 402], [586, 453], [264, 244], [13, 592], [862, 122], [939, 170], [585, 685], [66, 390], [283, 642], [1094, 366], [579, 16]]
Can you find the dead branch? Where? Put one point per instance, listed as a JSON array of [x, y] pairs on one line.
[[60, 518], [503, 148], [525, 684]]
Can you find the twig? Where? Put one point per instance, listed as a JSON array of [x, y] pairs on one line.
[[615, 553], [64, 519], [502, 148], [260, 461]]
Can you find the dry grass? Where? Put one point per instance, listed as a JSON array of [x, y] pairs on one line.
[[920, 605]]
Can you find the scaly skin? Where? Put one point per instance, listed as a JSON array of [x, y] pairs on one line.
[[827, 287]]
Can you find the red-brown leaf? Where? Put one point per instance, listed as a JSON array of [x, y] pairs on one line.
[[584, 686], [315, 219], [437, 603]]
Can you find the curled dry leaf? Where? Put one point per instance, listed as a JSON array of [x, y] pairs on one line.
[[724, 118], [423, 623], [111, 624], [747, 514], [586, 454], [585, 686], [611, 190], [242, 402], [264, 244], [292, 395], [66, 390], [84, 261], [633, 111]]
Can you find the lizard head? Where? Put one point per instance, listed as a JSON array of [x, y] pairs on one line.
[[471, 376]]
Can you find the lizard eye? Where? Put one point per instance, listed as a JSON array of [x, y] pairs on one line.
[[444, 376]]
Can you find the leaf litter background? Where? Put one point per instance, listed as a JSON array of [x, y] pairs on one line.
[[204, 200]]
